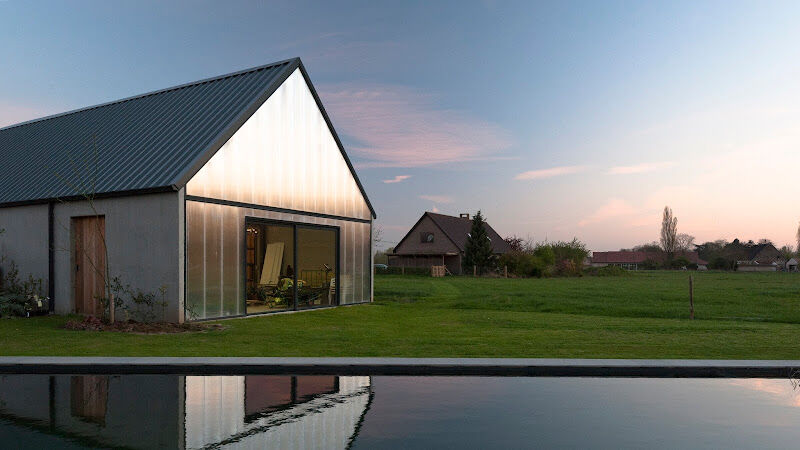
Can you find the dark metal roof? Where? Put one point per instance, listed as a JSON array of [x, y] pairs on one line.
[[147, 143]]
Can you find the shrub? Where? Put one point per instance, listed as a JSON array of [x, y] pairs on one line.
[[568, 256], [21, 297], [546, 254], [523, 264], [136, 304], [720, 263], [679, 263], [649, 264]]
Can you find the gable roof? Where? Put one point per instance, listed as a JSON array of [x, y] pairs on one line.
[[753, 253], [456, 229], [147, 143]]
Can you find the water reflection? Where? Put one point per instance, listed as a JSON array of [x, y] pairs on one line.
[[331, 412], [141, 411]]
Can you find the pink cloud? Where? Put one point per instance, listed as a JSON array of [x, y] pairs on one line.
[[639, 168], [549, 173], [397, 179], [402, 127], [614, 208]]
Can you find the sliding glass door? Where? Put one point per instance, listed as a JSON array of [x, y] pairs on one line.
[[289, 266], [316, 266], [269, 267]]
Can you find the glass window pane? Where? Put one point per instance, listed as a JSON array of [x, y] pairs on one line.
[[316, 262], [269, 271]]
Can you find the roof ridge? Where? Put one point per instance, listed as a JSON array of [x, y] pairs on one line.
[[151, 93]]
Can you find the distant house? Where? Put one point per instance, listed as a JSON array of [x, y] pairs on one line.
[[760, 258], [791, 265], [635, 260], [437, 239], [763, 254], [755, 266]]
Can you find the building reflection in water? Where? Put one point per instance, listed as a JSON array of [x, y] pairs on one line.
[[170, 411]]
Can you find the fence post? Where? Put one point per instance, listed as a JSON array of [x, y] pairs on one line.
[[475, 270], [505, 271], [691, 298], [402, 270]]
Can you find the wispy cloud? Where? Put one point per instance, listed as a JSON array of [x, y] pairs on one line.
[[614, 208], [437, 198], [549, 173], [397, 126], [397, 179], [640, 168]]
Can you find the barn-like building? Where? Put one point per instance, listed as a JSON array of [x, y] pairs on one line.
[[228, 196]]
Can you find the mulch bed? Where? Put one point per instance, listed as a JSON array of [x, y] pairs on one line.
[[92, 323]]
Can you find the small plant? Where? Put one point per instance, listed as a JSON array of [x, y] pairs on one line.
[[21, 297], [136, 304]]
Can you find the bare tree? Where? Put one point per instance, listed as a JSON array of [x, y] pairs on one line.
[[684, 242], [669, 232], [798, 238], [377, 234]]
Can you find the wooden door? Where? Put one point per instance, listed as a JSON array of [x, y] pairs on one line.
[[89, 259], [89, 398]]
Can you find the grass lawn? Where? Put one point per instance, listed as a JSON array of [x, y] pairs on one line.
[[641, 315]]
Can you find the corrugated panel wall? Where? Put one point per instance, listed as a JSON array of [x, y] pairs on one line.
[[138, 143], [214, 237]]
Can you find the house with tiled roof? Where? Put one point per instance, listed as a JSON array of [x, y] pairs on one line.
[[635, 260], [440, 240], [762, 257]]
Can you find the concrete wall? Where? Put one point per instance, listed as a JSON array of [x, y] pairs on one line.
[[25, 241], [141, 411], [145, 247], [144, 236]]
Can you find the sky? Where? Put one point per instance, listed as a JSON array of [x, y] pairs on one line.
[[555, 119]]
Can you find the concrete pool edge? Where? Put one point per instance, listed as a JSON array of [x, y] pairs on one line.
[[656, 368]]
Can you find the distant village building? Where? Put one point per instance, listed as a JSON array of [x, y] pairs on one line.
[[438, 239], [761, 258], [636, 260], [791, 265]]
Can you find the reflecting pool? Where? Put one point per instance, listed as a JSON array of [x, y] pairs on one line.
[[330, 412]]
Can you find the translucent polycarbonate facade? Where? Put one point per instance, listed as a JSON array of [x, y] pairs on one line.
[[216, 406], [284, 156], [215, 279]]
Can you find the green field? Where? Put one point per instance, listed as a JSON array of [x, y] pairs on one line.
[[640, 315]]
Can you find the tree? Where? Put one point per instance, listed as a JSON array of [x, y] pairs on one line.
[[798, 238], [649, 247], [377, 235], [478, 251], [685, 242], [515, 243], [669, 232]]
